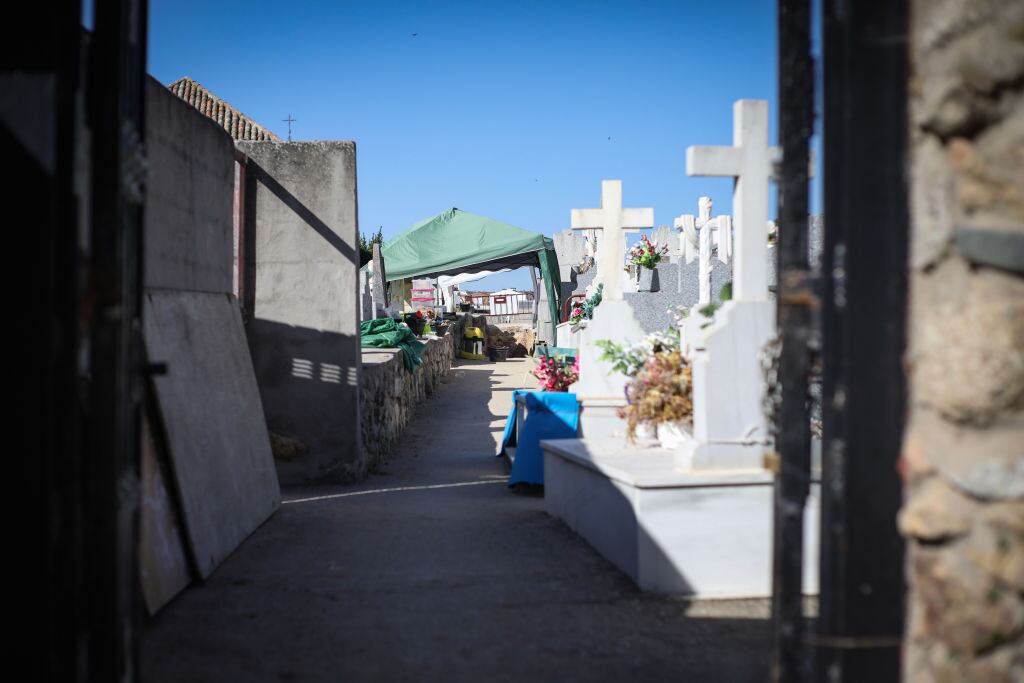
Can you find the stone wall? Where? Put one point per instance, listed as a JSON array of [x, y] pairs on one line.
[[963, 457], [390, 394]]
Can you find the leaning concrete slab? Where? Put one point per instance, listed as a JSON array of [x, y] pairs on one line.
[[302, 261], [216, 433]]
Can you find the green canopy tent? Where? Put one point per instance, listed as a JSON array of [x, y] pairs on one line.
[[457, 241]]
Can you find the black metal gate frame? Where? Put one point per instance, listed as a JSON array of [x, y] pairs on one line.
[[862, 304]]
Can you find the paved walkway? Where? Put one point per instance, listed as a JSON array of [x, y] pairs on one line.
[[435, 571]]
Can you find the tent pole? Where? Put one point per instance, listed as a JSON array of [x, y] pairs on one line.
[[536, 296]]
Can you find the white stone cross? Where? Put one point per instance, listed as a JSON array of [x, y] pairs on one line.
[[749, 161], [702, 235], [614, 222]]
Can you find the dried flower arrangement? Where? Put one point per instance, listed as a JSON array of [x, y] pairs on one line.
[[660, 393]]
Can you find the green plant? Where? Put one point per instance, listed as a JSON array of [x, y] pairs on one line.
[[626, 360], [709, 310], [629, 358], [366, 246], [725, 294]]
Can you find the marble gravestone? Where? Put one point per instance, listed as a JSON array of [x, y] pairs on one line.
[[600, 391], [696, 520], [729, 426]]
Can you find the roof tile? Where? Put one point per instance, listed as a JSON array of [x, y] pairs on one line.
[[238, 125]]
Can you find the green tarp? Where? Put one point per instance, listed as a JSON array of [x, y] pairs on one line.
[[457, 241], [387, 333]]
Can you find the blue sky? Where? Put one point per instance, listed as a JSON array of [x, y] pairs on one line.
[[511, 110]]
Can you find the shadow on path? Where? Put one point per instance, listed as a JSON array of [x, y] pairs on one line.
[[436, 571]]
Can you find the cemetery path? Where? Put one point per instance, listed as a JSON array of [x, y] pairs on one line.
[[435, 571]]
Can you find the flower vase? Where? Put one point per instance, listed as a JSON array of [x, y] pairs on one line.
[[671, 435], [644, 434], [646, 279]]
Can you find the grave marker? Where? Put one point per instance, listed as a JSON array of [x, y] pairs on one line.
[[600, 390], [749, 161], [648, 510], [614, 222], [729, 425], [380, 284], [702, 236]]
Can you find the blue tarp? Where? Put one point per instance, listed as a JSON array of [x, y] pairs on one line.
[[549, 415]]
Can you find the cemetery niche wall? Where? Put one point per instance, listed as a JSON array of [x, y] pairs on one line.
[[694, 518]]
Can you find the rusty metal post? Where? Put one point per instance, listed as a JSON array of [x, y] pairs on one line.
[[795, 301]]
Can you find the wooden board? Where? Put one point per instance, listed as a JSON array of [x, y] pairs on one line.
[[216, 432]]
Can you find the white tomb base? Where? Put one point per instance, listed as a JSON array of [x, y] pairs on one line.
[[599, 418], [601, 390], [700, 533]]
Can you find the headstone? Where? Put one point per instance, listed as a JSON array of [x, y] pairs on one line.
[[571, 249], [365, 297], [614, 222], [647, 510], [748, 160], [667, 236], [729, 425], [601, 390], [654, 310], [380, 287]]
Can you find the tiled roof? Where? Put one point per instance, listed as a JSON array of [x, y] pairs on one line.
[[238, 125]]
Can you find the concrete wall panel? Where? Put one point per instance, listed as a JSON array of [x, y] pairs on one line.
[[189, 191], [303, 294]]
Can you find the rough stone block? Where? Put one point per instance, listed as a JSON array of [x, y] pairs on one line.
[[965, 346]]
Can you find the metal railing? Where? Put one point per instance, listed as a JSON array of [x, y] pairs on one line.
[[521, 303]]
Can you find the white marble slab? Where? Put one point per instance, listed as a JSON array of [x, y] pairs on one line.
[[699, 533]]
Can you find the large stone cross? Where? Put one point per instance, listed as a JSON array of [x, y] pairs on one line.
[[749, 161], [614, 222], [701, 236]]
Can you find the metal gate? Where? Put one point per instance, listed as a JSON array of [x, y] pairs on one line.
[[857, 309]]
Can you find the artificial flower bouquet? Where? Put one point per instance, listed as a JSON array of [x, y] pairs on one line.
[[584, 310], [647, 254], [557, 373]]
